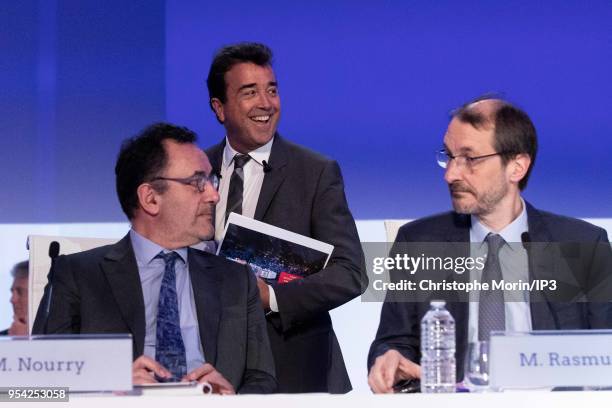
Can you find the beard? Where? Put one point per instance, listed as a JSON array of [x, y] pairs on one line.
[[477, 203]]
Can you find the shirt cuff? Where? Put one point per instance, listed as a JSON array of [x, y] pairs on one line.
[[273, 304]]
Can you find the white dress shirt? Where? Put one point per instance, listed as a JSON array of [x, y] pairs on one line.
[[514, 265], [253, 180], [151, 272]]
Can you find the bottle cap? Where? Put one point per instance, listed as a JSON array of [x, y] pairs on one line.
[[437, 303]]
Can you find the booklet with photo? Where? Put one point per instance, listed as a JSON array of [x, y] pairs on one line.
[[274, 254]]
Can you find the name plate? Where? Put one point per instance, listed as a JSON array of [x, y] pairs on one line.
[[81, 363], [570, 358]]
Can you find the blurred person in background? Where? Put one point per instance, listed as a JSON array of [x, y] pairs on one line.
[[19, 300]]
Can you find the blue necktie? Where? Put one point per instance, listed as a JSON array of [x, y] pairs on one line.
[[169, 346], [491, 306]]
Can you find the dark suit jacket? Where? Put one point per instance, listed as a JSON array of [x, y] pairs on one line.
[[304, 193], [99, 291], [399, 327], [4, 332]]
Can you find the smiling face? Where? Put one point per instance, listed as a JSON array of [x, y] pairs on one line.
[[482, 188], [185, 215], [251, 111]]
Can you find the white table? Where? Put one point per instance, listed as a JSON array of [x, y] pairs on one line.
[[513, 399]]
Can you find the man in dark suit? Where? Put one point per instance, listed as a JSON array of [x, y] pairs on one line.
[[489, 150], [192, 315], [268, 178]]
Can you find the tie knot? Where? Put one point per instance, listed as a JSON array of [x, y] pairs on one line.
[[240, 160], [169, 257], [495, 242]]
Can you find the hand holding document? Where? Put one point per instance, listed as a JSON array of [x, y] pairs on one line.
[[146, 370], [274, 254], [149, 375], [214, 382]]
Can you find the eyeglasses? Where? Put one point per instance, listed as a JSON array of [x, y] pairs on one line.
[[444, 158], [198, 180]]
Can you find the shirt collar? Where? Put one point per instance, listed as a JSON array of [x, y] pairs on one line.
[[511, 232], [258, 155], [146, 250]]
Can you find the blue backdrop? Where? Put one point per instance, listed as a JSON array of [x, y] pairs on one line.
[[369, 83]]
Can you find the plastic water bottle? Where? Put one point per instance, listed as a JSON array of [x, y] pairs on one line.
[[438, 350]]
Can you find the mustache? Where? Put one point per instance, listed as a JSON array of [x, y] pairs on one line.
[[262, 111], [208, 210], [458, 187]]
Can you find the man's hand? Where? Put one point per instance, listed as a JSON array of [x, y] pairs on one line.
[[144, 370], [390, 368], [207, 373], [19, 327], [264, 293]]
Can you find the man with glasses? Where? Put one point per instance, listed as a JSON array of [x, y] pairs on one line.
[[192, 315], [489, 150]]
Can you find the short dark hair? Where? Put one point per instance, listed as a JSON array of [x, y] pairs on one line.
[[514, 131], [142, 158], [226, 58], [21, 270]]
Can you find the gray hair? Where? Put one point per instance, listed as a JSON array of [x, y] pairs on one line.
[[21, 270]]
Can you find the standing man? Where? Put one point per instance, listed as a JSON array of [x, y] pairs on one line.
[[19, 301], [489, 150], [268, 178], [192, 315]]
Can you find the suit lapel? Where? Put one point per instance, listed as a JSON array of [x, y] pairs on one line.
[[458, 237], [541, 266], [273, 179], [541, 257], [206, 291], [121, 271], [460, 229], [215, 156], [548, 262]]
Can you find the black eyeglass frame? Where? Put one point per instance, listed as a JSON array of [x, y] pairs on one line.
[[198, 180], [443, 158]]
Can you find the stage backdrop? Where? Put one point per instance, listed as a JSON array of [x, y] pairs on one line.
[[369, 83]]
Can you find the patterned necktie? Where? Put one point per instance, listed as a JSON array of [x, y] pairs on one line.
[[169, 346], [491, 307], [236, 187]]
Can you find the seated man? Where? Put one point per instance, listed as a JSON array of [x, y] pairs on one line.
[[192, 315], [19, 300], [489, 150]]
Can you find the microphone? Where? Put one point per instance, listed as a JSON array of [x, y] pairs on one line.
[[266, 166], [526, 241], [54, 249]]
